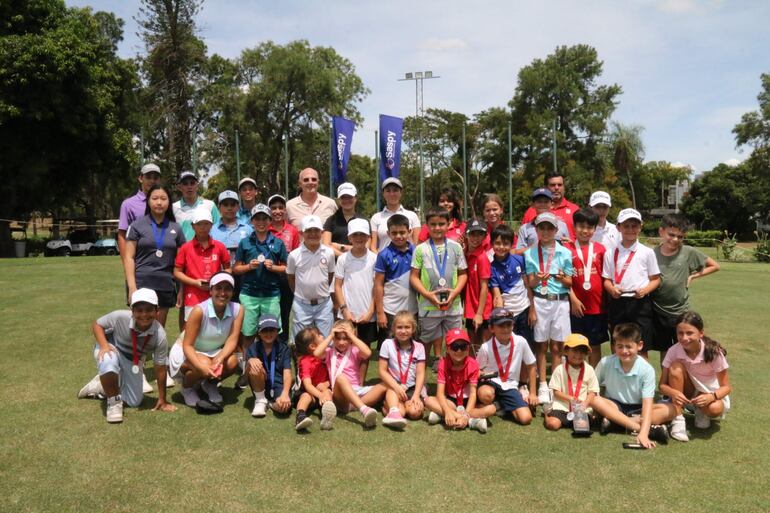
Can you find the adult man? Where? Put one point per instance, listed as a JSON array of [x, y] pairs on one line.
[[247, 189], [134, 206], [309, 202], [562, 207], [185, 207]]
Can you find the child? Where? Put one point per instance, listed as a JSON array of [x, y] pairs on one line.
[[402, 370], [354, 282], [285, 231], [457, 378], [504, 356], [310, 271], [606, 233], [230, 230], [549, 268], [316, 388], [478, 300], [630, 274], [629, 388], [268, 367], [588, 316], [679, 266], [123, 340], [392, 291], [542, 200], [695, 373], [438, 276], [507, 282], [190, 202], [343, 363], [198, 260], [573, 382], [450, 201]]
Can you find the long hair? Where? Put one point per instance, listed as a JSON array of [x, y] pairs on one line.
[[452, 195], [169, 213], [711, 348]]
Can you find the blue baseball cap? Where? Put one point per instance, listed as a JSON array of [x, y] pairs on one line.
[[268, 321], [542, 191]]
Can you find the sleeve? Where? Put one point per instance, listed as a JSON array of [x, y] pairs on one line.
[[181, 256], [282, 255], [567, 267], [473, 377], [291, 263], [374, 222], [494, 280], [423, 233], [285, 357], [415, 221], [294, 238], [329, 224], [417, 258], [339, 272], [302, 367], [484, 267], [251, 351], [441, 374], [462, 264], [240, 252], [419, 352], [652, 264], [385, 352], [696, 261], [214, 213], [600, 371], [482, 357], [608, 269], [648, 383], [132, 233], [521, 241], [592, 383], [160, 355], [719, 363], [123, 218], [530, 266], [527, 356], [557, 379], [669, 358], [379, 263], [107, 321]]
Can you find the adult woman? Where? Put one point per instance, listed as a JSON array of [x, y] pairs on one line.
[[335, 234], [206, 352], [391, 192], [449, 200], [151, 246]]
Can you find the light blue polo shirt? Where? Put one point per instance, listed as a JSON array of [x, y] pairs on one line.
[[214, 331], [231, 235], [627, 388], [562, 261]]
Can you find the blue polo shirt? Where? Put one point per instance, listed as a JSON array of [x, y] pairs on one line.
[[507, 274], [396, 266], [244, 215], [562, 261], [627, 388], [274, 364], [260, 282], [231, 235]]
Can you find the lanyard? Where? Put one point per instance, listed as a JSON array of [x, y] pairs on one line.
[[547, 267], [575, 393], [159, 238], [440, 266], [404, 374], [619, 276], [337, 370], [503, 374], [586, 263], [134, 338], [272, 364]]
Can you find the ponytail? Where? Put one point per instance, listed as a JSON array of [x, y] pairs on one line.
[[711, 348]]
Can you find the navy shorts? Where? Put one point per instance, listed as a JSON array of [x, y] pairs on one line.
[[593, 327], [627, 409], [510, 400], [562, 416], [521, 326]]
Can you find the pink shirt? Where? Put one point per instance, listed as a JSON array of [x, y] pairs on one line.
[[349, 367], [703, 375]]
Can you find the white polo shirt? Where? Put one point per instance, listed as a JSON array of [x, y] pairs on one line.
[[357, 275], [643, 266], [311, 271], [608, 235], [488, 363], [380, 224]]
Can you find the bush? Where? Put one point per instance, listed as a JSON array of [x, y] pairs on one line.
[[762, 250], [704, 238], [36, 245], [650, 228], [727, 246]]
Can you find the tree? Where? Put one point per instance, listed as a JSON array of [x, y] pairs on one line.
[[627, 153], [754, 128]]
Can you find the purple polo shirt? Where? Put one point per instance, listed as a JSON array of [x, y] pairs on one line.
[[132, 209]]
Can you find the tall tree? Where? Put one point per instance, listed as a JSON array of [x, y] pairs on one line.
[[754, 128], [627, 153]]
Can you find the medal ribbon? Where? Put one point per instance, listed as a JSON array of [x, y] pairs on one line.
[[503, 374], [619, 276], [134, 337], [440, 266], [576, 392], [159, 238], [404, 374], [589, 260], [547, 267], [272, 364], [337, 370]]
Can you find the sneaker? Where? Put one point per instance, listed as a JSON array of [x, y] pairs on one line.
[[394, 420], [242, 382], [328, 414], [543, 394], [678, 429], [191, 397], [303, 421], [260, 409], [605, 426], [659, 433], [212, 391], [146, 387], [434, 418], [479, 425], [370, 417], [92, 389], [169, 381], [702, 421], [524, 391], [114, 409]]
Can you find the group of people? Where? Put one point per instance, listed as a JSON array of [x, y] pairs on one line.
[[293, 295]]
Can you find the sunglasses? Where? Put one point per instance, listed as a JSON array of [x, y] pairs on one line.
[[458, 346], [310, 179]]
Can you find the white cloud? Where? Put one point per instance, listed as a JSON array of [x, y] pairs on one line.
[[442, 45], [678, 6], [733, 162]]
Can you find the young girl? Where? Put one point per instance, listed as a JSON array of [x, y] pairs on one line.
[[449, 200], [695, 373], [344, 363], [402, 370], [314, 377], [493, 211]]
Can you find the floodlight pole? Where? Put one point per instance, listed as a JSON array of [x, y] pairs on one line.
[[465, 179], [510, 178]]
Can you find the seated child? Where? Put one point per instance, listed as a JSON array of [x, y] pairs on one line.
[[316, 389], [457, 378], [503, 357], [695, 373], [402, 370], [573, 382], [344, 361], [268, 368], [629, 387]]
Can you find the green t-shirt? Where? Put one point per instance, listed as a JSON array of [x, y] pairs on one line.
[[672, 297], [424, 260]]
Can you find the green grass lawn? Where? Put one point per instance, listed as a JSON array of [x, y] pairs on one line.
[[58, 453]]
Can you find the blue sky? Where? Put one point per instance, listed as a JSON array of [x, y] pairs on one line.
[[688, 68]]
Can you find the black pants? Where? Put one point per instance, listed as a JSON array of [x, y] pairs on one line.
[[631, 309]]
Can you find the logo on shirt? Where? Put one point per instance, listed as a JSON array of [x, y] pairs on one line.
[[324, 261], [173, 231], [214, 256], [518, 269]]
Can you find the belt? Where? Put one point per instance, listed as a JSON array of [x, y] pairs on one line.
[[312, 302], [552, 297]]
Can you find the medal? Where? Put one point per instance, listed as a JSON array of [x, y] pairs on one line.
[[544, 290], [586, 285], [574, 393], [159, 236], [159, 253], [442, 282], [440, 264], [403, 374], [587, 263], [135, 369], [135, 353], [261, 258], [570, 416]]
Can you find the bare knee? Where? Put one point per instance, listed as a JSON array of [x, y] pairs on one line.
[[552, 423]]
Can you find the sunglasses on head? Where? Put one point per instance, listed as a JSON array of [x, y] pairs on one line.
[[458, 346]]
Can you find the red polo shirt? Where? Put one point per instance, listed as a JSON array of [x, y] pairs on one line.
[[479, 268], [288, 234], [200, 263], [592, 298], [563, 211]]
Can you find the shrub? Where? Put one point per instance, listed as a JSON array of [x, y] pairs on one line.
[[704, 238], [762, 250]]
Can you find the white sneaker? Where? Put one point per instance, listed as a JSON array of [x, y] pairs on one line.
[[678, 430], [702, 421], [146, 387], [114, 409], [543, 394], [191, 397], [92, 389], [370, 417], [394, 420], [328, 414], [434, 418], [479, 425], [260, 409], [212, 391], [169, 381]]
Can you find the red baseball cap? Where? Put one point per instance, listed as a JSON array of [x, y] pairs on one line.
[[456, 334]]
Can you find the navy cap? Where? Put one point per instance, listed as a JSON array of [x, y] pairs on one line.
[[542, 191], [267, 322], [500, 316], [476, 226]]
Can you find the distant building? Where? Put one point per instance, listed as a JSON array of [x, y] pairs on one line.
[[671, 198]]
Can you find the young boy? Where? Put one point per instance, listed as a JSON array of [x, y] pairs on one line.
[[247, 189], [438, 276], [230, 230], [285, 231], [392, 290], [268, 367], [588, 316], [549, 269], [575, 381], [457, 379], [542, 200], [503, 357], [630, 274], [198, 260], [123, 340], [310, 270], [629, 388], [185, 208], [679, 265], [606, 233], [314, 378], [478, 300], [507, 281]]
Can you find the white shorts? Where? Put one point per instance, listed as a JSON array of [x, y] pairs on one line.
[[362, 391], [176, 357], [552, 320]]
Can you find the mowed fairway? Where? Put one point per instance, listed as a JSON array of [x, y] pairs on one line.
[[57, 453]]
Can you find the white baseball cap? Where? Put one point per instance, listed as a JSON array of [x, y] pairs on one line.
[[187, 174], [227, 195], [261, 208], [247, 180], [144, 296], [392, 180], [600, 198], [629, 213], [358, 225], [220, 277], [150, 168], [309, 222], [346, 189], [547, 217], [202, 214]]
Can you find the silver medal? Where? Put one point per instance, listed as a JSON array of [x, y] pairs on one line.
[[544, 290], [135, 369], [261, 258], [586, 285], [570, 416], [159, 253], [442, 282]]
